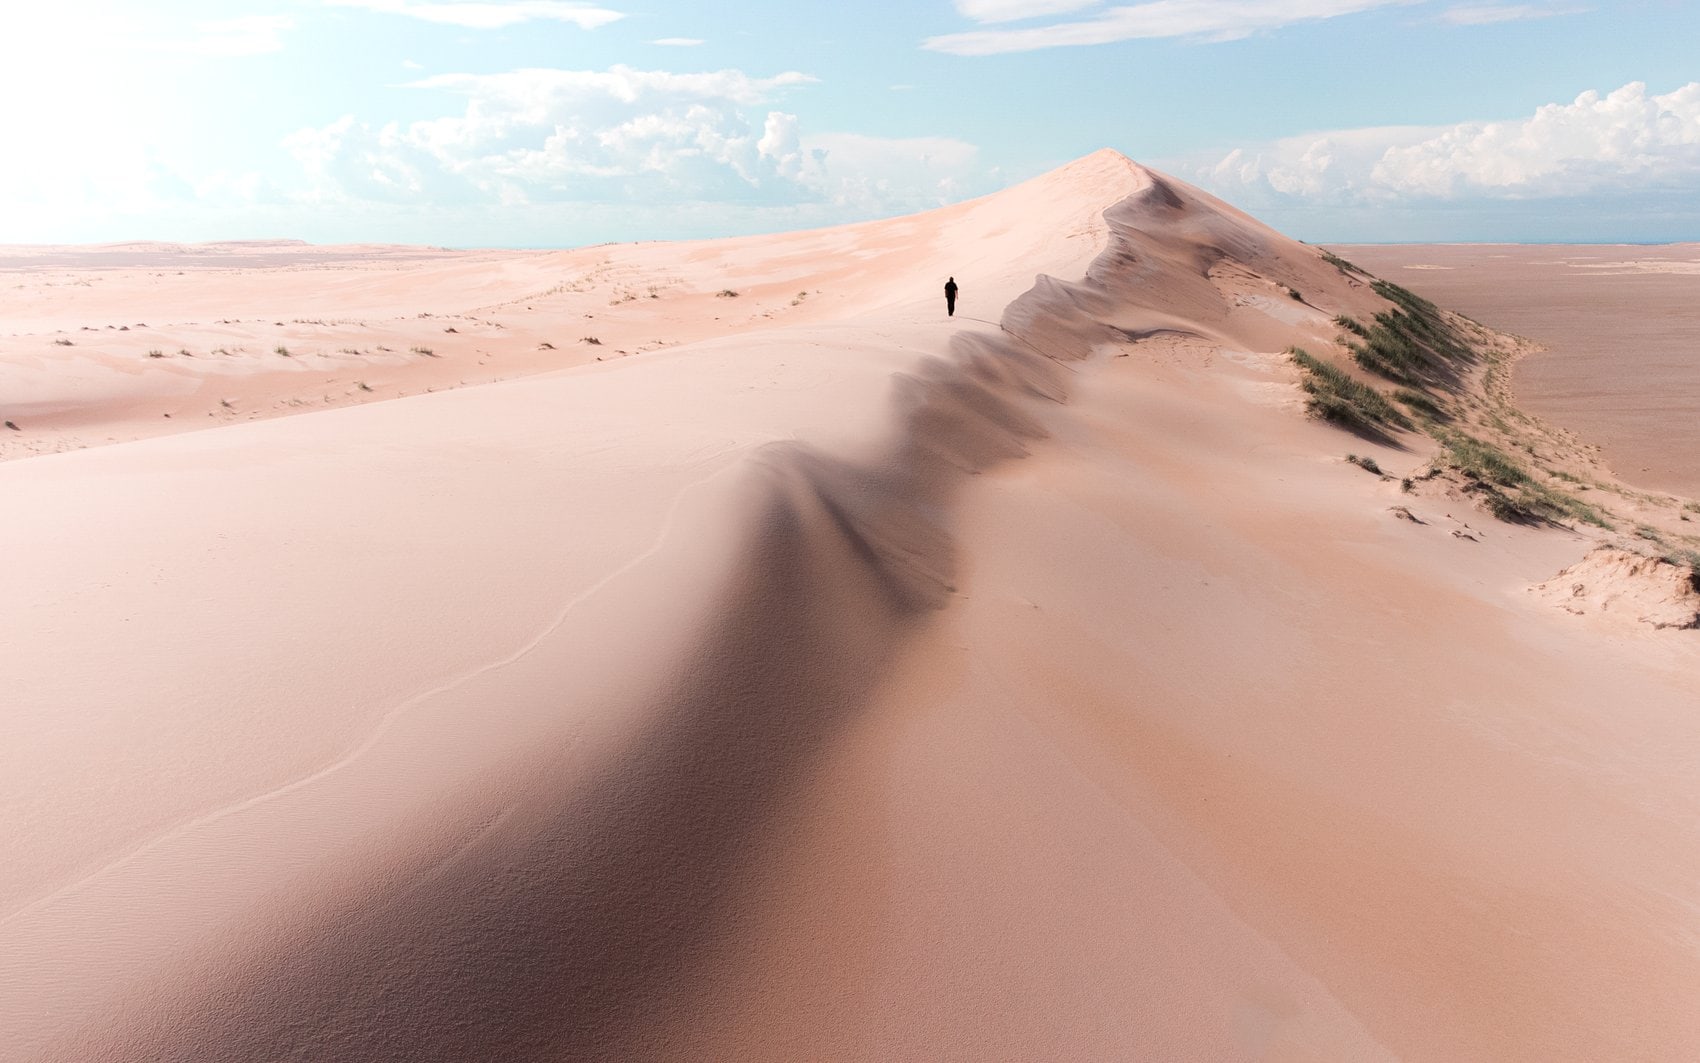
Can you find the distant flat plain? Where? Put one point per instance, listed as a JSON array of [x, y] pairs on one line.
[[1621, 328]]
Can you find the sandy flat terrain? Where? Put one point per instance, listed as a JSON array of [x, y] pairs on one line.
[[832, 680], [1620, 328]]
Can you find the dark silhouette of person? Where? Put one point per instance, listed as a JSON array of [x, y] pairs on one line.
[[950, 297]]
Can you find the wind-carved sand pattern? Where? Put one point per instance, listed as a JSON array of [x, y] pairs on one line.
[[384, 723], [853, 682]]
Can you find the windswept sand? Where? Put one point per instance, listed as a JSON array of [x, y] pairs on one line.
[[835, 680]]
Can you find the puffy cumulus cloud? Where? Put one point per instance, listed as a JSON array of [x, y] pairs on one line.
[[623, 136], [1216, 20], [1626, 142], [490, 14], [869, 175]]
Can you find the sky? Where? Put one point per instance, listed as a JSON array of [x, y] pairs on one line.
[[559, 123]]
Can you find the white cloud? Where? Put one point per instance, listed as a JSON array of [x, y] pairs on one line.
[[1625, 143], [250, 35], [677, 42], [1216, 20], [1489, 14], [490, 14], [536, 138], [873, 175], [1015, 10]]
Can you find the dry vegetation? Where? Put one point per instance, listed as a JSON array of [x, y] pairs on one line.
[[1454, 398]]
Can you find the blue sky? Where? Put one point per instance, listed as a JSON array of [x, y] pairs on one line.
[[549, 123]]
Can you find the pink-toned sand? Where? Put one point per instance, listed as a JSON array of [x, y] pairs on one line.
[[1621, 328], [835, 680]]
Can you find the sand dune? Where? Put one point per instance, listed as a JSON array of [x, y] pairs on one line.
[[842, 681]]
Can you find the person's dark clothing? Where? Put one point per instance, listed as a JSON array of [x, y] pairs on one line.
[[950, 297]]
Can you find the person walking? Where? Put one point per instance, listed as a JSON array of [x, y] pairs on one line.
[[950, 297]]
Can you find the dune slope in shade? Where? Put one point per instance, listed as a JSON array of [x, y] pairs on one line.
[[875, 687]]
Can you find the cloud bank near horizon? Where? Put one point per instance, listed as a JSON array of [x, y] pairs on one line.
[[625, 136], [1211, 21], [1624, 141], [490, 14]]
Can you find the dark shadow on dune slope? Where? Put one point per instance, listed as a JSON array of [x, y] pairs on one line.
[[573, 928], [569, 929]]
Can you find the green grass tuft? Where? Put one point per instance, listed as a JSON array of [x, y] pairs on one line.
[[1340, 399], [1483, 461], [1421, 403], [1352, 325], [1342, 265]]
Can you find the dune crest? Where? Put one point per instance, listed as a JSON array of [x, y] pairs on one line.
[[847, 681]]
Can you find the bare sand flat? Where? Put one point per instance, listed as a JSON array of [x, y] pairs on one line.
[[1620, 330], [835, 679]]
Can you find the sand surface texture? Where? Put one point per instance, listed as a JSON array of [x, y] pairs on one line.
[[1620, 330], [833, 680]]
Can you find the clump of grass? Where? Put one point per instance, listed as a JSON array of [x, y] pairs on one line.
[[1483, 461], [185, 352], [1352, 325], [1691, 507], [1366, 463], [726, 293], [281, 349], [1293, 294], [426, 351], [1339, 399], [1648, 532], [592, 340], [1420, 403], [1341, 264], [1412, 343], [1407, 485], [1679, 556], [156, 353], [365, 386], [1509, 509], [64, 342], [1508, 490]]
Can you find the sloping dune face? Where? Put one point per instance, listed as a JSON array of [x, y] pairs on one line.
[[1036, 683]]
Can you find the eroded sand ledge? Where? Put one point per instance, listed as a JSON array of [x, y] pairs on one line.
[[864, 689]]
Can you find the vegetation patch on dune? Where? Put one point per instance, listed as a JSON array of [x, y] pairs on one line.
[[1342, 265], [1338, 398], [1421, 404], [1410, 344], [1508, 490]]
